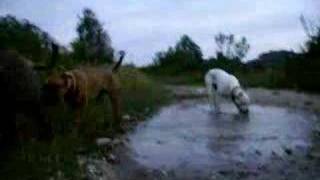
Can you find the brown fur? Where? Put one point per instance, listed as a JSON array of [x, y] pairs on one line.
[[77, 86]]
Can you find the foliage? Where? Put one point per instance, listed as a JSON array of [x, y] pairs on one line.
[[186, 55], [231, 48], [303, 71], [93, 43]]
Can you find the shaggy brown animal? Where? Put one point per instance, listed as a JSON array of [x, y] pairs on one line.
[[20, 105], [76, 86]]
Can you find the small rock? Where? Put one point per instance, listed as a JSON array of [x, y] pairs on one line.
[[126, 117], [103, 141], [258, 152], [116, 141], [59, 174], [164, 173], [288, 151], [308, 103], [81, 161], [304, 168], [313, 155], [224, 172], [91, 169], [243, 174], [112, 158], [262, 167], [275, 92], [81, 150], [316, 132], [159, 142], [310, 156], [214, 176]]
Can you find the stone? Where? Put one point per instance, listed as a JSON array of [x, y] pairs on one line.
[[103, 141], [126, 117]]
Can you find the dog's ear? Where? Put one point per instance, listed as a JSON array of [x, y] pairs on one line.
[[68, 79]]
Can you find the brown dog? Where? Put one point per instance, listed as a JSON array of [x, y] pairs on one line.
[[78, 85]]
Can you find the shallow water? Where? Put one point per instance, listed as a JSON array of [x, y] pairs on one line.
[[187, 136]]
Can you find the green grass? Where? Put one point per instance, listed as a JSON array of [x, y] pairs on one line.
[[267, 78], [182, 78], [141, 96]]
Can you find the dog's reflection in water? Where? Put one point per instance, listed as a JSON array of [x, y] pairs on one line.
[[229, 116]]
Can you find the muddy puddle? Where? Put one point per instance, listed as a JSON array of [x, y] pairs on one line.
[[188, 141]]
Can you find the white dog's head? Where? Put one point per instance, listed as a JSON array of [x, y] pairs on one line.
[[241, 99]]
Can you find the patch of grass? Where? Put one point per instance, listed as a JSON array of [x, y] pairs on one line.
[[185, 78], [141, 96], [37, 160], [268, 78]]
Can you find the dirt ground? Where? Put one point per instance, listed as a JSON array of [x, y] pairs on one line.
[[281, 139]]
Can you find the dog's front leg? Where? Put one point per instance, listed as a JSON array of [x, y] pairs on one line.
[[115, 103], [211, 93], [216, 100], [211, 98]]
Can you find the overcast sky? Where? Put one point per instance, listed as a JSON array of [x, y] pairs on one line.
[[146, 26]]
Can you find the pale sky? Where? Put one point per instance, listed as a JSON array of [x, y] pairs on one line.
[[144, 27]]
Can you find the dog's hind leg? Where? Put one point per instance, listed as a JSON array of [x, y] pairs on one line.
[[208, 82], [116, 106], [216, 101], [101, 95], [212, 94]]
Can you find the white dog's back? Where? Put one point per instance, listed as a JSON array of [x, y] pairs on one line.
[[222, 81]]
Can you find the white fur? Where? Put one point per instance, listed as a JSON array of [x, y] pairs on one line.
[[227, 86]]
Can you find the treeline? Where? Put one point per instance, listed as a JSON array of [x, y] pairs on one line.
[[181, 63], [184, 62], [187, 56]]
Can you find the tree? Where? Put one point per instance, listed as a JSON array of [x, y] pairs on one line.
[[241, 48], [188, 46], [93, 43], [185, 55], [307, 64], [231, 48]]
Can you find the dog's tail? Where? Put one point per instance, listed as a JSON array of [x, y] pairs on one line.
[[117, 65]]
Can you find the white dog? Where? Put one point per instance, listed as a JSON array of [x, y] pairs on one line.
[[223, 84]]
